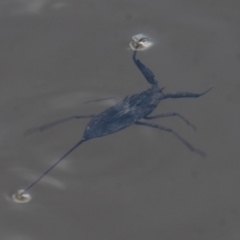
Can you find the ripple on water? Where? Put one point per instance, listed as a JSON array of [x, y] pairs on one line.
[[21, 197], [140, 42]]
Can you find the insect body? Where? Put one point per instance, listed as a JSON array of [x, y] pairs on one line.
[[131, 110], [123, 114]]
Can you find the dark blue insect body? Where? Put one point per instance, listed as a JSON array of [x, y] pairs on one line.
[[124, 113], [129, 111]]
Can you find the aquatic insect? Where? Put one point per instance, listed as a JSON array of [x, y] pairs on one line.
[[131, 110]]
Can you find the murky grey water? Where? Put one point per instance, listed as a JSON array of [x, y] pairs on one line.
[[139, 183]]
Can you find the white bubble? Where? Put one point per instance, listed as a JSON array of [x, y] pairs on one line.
[[140, 42], [21, 197]]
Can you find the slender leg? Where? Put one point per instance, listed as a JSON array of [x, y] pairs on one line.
[[171, 115], [187, 144], [101, 99], [55, 123], [186, 94], [147, 73]]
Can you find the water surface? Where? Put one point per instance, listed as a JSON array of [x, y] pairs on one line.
[[139, 183]]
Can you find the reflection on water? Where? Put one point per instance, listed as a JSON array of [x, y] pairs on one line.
[[21, 197], [140, 42], [26, 7]]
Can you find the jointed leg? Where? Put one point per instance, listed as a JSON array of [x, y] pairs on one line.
[[172, 115], [101, 99], [187, 144], [55, 123], [186, 94], [147, 73]]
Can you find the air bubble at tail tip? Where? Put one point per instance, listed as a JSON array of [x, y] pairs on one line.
[[140, 42], [21, 197]]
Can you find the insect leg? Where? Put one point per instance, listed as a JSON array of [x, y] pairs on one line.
[[172, 115], [187, 144], [101, 99], [55, 123], [186, 94], [147, 73]]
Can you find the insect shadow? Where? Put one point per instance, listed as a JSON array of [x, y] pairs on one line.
[[131, 110]]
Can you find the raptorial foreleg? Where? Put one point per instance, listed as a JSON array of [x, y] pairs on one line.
[[147, 73]]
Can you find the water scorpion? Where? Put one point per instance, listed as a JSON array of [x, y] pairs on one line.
[[135, 109]]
